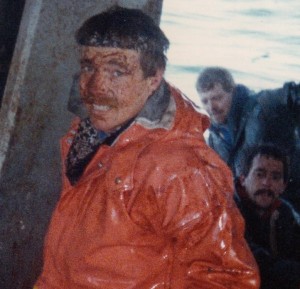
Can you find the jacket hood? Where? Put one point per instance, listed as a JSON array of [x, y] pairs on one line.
[[176, 112]]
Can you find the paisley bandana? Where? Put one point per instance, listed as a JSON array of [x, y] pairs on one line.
[[85, 145], [82, 150]]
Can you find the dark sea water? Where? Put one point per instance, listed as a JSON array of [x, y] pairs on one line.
[[258, 40]]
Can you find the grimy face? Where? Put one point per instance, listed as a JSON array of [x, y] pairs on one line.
[[264, 182], [217, 103], [112, 85]]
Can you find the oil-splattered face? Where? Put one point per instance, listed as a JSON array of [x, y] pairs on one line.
[[112, 85]]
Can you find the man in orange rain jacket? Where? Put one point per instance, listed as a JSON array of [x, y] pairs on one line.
[[145, 203]]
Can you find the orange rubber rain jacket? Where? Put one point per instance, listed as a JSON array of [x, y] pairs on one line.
[[154, 210]]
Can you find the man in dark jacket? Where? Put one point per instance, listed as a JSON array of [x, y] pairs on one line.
[[272, 224], [240, 118]]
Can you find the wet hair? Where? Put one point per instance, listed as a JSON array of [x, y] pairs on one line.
[[126, 28], [210, 76], [267, 150]]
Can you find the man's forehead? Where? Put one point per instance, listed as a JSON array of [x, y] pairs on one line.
[[264, 162], [109, 53], [216, 91]]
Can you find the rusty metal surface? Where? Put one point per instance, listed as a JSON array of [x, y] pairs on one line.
[[33, 117]]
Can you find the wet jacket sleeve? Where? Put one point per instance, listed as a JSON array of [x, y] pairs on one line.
[[193, 209], [65, 144]]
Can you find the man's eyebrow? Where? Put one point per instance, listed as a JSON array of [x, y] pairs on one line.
[[277, 173], [259, 170], [117, 63]]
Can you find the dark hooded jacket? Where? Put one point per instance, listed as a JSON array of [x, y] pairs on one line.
[[243, 127], [274, 239]]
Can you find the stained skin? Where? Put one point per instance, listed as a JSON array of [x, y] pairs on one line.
[[113, 86]]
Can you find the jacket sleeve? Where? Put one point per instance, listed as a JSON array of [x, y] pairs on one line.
[[65, 144], [200, 219], [286, 98]]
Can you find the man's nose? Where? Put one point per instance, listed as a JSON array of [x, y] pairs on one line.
[[98, 83], [267, 181], [210, 107]]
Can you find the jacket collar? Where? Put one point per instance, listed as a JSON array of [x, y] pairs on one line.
[[159, 110], [156, 104]]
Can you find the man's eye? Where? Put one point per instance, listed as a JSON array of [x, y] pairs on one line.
[[204, 101], [118, 73], [277, 177], [259, 175]]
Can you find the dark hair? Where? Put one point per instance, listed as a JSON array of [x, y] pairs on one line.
[[210, 76], [128, 29], [267, 150]]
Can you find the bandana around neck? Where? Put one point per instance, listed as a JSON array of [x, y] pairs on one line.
[[84, 146]]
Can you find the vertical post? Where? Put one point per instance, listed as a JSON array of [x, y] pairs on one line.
[[33, 117]]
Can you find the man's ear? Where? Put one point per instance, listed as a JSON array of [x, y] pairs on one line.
[[284, 187], [155, 80]]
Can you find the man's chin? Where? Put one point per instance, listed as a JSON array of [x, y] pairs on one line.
[[265, 202], [103, 125], [99, 124]]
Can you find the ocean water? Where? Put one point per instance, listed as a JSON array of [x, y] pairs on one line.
[[257, 40]]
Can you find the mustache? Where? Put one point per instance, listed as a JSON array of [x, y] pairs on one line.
[[101, 100], [270, 193], [216, 111]]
